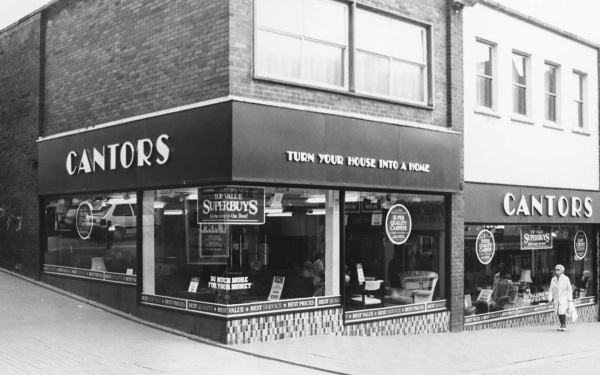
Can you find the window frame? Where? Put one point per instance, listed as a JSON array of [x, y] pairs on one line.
[[425, 65], [303, 40], [491, 78], [349, 58], [579, 122], [521, 86], [555, 95]]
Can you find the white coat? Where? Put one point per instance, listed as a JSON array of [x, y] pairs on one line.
[[561, 294]]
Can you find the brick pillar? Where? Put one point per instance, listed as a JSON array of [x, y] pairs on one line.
[[455, 108]]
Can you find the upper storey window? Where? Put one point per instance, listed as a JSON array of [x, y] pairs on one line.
[[484, 55], [391, 57], [302, 40], [579, 100], [550, 74], [308, 42], [519, 84]]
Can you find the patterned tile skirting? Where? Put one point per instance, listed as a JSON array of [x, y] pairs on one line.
[[587, 314], [437, 322], [277, 327]]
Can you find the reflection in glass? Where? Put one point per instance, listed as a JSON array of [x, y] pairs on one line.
[[519, 278], [240, 263], [372, 73], [101, 239], [412, 272], [279, 55], [407, 81]]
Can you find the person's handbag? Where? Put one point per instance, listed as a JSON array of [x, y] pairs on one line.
[[572, 312]]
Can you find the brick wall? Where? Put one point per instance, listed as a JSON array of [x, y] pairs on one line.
[[19, 95], [455, 93], [108, 60], [242, 84]]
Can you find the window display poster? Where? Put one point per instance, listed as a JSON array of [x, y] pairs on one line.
[[376, 219], [485, 295], [580, 244], [368, 205], [360, 273], [231, 205], [214, 240], [398, 224], [276, 288], [536, 237], [485, 246], [352, 207], [194, 284]]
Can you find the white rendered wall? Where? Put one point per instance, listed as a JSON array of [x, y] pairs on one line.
[[501, 149]]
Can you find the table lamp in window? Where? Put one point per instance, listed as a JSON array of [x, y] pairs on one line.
[[525, 280]]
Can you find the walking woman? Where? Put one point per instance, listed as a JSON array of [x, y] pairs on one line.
[[562, 295]]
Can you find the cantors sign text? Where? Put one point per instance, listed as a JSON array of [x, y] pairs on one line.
[[143, 152], [547, 205]]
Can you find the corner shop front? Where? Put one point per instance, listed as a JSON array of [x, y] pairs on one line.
[[242, 222]]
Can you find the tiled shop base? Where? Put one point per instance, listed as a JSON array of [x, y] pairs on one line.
[[322, 322], [277, 327], [587, 314], [406, 325]]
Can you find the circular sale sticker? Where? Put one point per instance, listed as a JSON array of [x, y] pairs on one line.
[[398, 224], [485, 246], [84, 220], [580, 244]]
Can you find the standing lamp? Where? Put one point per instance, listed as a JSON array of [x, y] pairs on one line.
[[525, 280]]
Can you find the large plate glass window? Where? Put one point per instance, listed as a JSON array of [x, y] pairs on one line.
[[391, 57], [91, 235], [279, 243], [302, 40], [395, 245], [522, 265]]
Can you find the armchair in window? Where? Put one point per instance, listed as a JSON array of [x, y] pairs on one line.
[[371, 294], [415, 287]]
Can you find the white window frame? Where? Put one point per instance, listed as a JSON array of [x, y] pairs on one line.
[[425, 65], [525, 86], [555, 95], [580, 84], [304, 39], [493, 97], [349, 55]]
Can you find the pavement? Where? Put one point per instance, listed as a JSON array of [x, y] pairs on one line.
[[44, 330]]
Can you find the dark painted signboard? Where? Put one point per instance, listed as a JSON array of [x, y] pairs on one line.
[[536, 237], [231, 205]]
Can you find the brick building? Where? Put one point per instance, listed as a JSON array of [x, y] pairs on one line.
[[241, 170]]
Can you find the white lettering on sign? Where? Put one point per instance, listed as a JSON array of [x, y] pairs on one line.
[[543, 205], [126, 154], [356, 161]]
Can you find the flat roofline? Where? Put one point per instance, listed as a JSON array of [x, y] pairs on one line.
[[538, 23]]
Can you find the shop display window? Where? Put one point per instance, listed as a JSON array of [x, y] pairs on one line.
[[95, 232], [383, 270], [238, 244], [511, 266]]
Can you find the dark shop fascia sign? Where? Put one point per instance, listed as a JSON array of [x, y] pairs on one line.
[[521, 204]]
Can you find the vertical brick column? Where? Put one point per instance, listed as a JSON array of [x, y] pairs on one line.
[[455, 108]]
